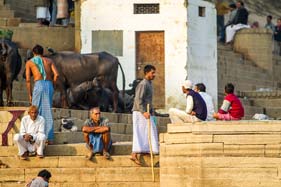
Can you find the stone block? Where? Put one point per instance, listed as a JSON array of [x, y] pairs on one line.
[[179, 128], [33, 162], [11, 174], [244, 150], [273, 150], [249, 139], [195, 149], [184, 138]]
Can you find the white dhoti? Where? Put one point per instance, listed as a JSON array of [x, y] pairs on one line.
[[140, 134], [232, 29], [180, 116], [24, 146]]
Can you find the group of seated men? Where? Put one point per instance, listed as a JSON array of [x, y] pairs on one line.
[[200, 107], [31, 139]]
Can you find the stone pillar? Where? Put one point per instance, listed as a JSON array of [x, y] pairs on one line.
[[255, 45], [77, 13]]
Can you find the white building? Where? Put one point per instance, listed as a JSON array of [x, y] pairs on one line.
[[177, 36]]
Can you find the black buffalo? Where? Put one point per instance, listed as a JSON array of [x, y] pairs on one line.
[[76, 69], [10, 66]]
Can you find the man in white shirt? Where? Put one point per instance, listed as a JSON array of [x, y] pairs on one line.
[[201, 89], [196, 109], [31, 138]]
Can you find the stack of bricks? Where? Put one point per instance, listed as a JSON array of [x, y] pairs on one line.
[[224, 154]]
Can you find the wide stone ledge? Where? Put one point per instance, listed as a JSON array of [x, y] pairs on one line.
[[227, 127]]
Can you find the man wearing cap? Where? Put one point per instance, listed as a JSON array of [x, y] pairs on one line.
[[196, 109]]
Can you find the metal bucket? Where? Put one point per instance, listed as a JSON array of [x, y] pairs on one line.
[[42, 13]]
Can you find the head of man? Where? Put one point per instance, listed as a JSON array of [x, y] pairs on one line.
[[33, 112], [229, 88], [269, 19], [45, 174], [279, 22], [149, 72], [232, 6], [95, 114], [38, 50], [200, 87], [186, 86], [239, 4]]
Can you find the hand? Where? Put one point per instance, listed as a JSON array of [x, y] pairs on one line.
[[216, 115], [193, 113], [30, 99], [27, 137], [146, 115]]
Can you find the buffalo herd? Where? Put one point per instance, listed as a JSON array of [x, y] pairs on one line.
[[85, 80]]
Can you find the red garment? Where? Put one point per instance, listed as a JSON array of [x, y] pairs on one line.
[[236, 109]]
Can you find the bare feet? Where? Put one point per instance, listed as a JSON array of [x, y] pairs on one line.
[[135, 159]]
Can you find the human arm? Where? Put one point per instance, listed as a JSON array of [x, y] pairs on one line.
[[55, 72], [224, 107], [139, 99], [189, 104], [28, 83], [95, 129]]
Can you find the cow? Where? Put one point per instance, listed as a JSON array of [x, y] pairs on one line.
[[75, 69], [10, 66]]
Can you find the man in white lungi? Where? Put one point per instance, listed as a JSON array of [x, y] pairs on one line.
[[141, 117], [240, 21], [31, 138]]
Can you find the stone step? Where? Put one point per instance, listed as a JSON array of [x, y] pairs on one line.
[[83, 175], [76, 162], [273, 112], [267, 102], [79, 149], [119, 128], [7, 14], [88, 184], [5, 7], [12, 22], [263, 93], [77, 137]]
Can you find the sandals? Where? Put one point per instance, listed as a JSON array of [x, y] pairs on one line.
[[106, 155], [135, 160]]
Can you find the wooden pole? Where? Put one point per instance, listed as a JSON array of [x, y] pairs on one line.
[[150, 145]]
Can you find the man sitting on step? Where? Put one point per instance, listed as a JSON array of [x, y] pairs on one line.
[[31, 138], [97, 134], [232, 108]]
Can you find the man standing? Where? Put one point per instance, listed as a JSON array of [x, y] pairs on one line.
[[141, 117], [240, 21], [222, 9], [31, 137], [97, 134], [201, 89], [196, 109], [42, 70], [277, 38]]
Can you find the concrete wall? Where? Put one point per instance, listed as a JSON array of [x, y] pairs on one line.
[[202, 47], [255, 45], [59, 38], [172, 19], [224, 154], [26, 9]]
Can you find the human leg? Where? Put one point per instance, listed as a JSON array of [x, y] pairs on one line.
[[22, 145], [180, 116], [40, 144]]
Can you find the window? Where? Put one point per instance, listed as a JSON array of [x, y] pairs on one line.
[[146, 8], [202, 11], [109, 41]]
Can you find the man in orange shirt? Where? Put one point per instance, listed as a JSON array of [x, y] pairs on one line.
[[45, 75], [222, 9]]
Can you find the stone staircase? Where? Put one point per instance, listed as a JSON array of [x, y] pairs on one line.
[[247, 78], [66, 158], [7, 15]]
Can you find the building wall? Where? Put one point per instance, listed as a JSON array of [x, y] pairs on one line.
[[202, 46], [118, 15]]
